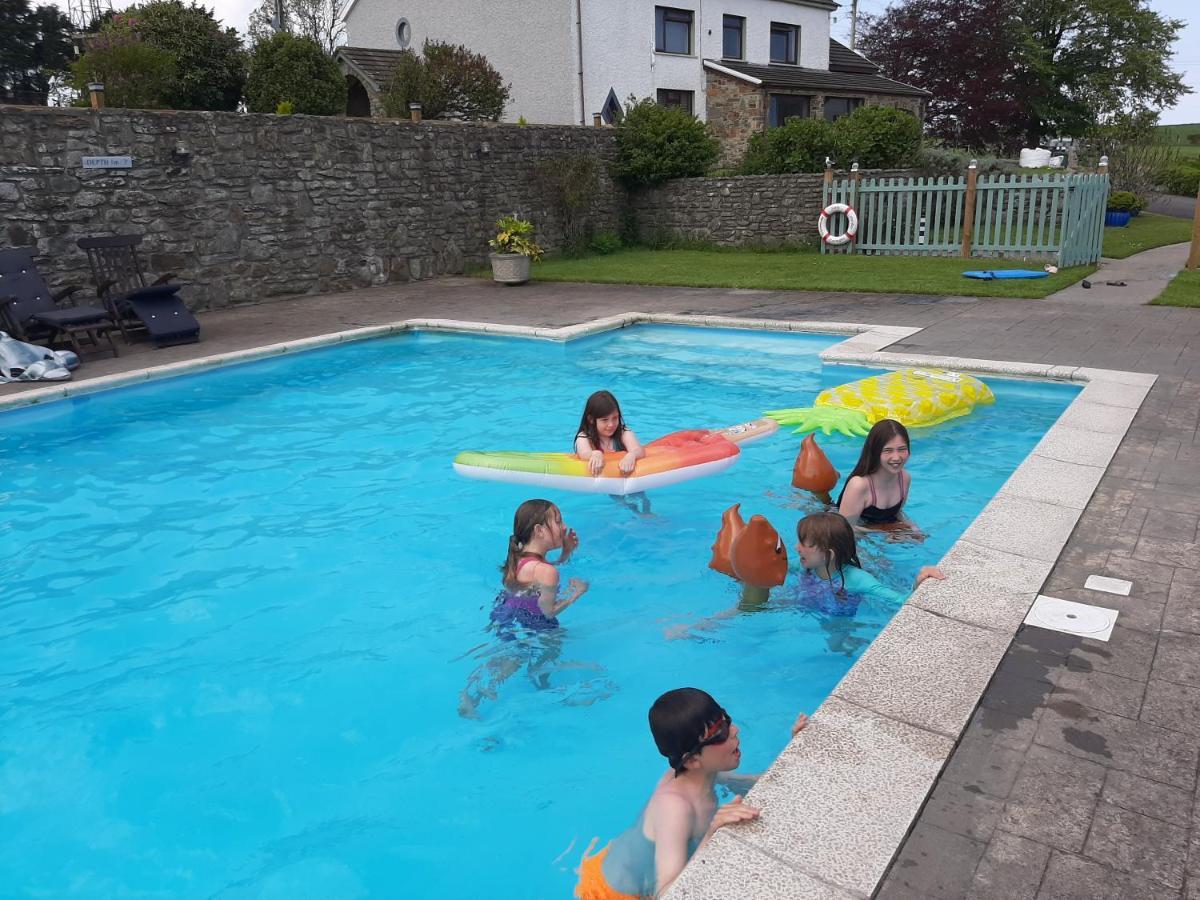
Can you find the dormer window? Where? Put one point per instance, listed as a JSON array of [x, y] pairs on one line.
[[785, 41]]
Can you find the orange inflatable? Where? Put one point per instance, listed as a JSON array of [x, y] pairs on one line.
[[750, 552], [722, 548], [813, 470], [759, 557]]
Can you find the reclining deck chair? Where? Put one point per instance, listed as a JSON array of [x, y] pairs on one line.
[[134, 304], [30, 310]]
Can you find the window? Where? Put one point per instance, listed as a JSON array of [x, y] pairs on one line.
[[836, 107], [782, 107], [784, 41], [672, 30], [734, 46], [682, 99], [612, 112]]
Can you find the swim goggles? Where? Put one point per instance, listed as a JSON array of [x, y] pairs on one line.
[[717, 732]]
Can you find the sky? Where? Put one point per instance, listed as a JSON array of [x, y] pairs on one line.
[[1186, 58]]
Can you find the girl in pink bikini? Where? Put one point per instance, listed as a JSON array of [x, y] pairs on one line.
[[530, 597]]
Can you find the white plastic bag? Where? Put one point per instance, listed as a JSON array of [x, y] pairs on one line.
[[1034, 159]]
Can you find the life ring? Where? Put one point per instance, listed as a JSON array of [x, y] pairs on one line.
[[835, 240]]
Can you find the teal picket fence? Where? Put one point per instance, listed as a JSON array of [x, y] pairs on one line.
[[1045, 217]]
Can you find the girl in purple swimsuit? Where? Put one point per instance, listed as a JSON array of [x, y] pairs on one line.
[[530, 596], [525, 614]]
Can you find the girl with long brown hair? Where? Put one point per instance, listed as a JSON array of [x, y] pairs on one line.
[[876, 490]]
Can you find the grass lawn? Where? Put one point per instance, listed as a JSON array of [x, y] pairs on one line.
[[1145, 232], [1184, 290], [803, 271], [1177, 137]]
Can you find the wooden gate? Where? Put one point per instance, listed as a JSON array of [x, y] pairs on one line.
[[1056, 217]]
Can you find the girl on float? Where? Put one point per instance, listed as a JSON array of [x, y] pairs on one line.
[[525, 614], [602, 430], [701, 744], [875, 492]]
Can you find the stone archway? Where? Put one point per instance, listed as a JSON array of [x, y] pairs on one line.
[[358, 101]]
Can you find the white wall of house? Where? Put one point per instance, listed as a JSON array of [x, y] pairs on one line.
[[619, 54], [530, 42], [533, 45]]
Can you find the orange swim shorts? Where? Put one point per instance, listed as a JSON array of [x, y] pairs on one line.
[[592, 885]]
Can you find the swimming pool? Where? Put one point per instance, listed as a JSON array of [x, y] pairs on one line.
[[240, 607]]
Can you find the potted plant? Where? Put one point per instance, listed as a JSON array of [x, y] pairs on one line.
[[514, 250], [1120, 209]]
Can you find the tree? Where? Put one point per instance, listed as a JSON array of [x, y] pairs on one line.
[[35, 44], [321, 20], [449, 81], [655, 143], [136, 75], [210, 61], [1021, 71], [978, 88], [295, 69]]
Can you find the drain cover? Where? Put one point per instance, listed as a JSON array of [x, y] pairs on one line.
[[1069, 617]]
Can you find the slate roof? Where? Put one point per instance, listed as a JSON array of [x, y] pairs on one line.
[[795, 77], [376, 66], [843, 59]]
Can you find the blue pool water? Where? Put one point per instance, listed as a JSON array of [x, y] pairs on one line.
[[239, 609]]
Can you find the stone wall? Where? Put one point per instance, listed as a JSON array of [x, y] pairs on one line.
[[261, 206], [736, 211]]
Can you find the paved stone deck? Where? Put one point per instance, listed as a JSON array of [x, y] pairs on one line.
[[1077, 776]]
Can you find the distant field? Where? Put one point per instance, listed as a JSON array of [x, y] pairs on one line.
[[1177, 136]]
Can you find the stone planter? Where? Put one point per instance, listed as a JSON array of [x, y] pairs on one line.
[[509, 268]]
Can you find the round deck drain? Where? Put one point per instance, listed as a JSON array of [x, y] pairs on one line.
[[1074, 617]]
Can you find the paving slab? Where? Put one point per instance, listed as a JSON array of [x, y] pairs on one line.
[[1145, 274]]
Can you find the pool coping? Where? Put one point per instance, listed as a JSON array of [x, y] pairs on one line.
[[838, 802]]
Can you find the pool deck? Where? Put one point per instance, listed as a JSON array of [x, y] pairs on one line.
[[1077, 773]]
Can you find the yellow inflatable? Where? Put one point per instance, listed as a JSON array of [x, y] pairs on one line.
[[913, 397]]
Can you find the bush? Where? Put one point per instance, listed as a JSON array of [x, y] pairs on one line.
[[799, 145], [449, 81], [605, 243], [949, 162], [1183, 179], [1121, 201], [285, 108], [286, 68], [655, 143], [135, 74], [879, 137]]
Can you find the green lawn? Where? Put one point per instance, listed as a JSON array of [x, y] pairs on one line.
[[1145, 232], [1177, 137], [1184, 290], [802, 271]]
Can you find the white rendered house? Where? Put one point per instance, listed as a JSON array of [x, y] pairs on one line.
[[570, 59]]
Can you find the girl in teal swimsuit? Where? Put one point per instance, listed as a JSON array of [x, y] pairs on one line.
[[836, 581]]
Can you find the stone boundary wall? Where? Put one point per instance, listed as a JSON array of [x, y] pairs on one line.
[[263, 206], [738, 210]]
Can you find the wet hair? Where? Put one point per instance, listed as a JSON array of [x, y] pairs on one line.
[[599, 405], [832, 534], [678, 719], [528, 516], [881, 432]]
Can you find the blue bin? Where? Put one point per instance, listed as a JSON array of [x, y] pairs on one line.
[[1117, 219]]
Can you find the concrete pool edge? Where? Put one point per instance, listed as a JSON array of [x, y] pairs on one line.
[[839, 800]]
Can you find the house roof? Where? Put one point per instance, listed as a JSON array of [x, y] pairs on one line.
[[819, 4], [372, 66], [843, 59], [795, 77]]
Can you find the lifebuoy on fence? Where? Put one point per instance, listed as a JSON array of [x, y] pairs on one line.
[[835, 240]]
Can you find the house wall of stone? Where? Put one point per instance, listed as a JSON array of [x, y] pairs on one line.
[[737, 109], [266, 206], [736, 211]]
